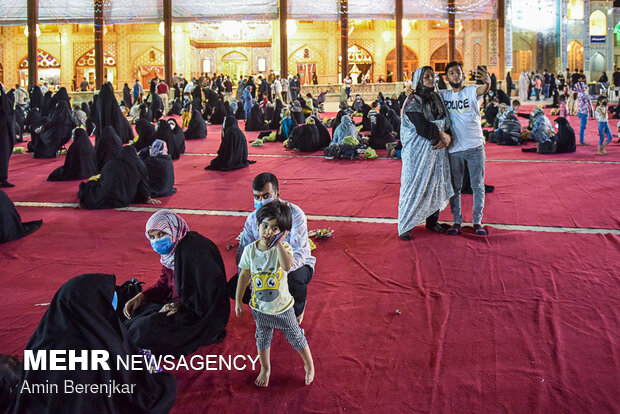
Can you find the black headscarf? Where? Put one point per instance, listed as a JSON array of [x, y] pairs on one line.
[[233, 151], [324, 137], [565, 137], [56, 132], [156, 105], [45, 107], [200, 280], [61, 95], [11, 226], [240, 114], [197, 128], [146, 134], [7, 133], [108, 147], [81, 317], [219, 113], [164, 132], [394, 120], [80, 162], [123, 181], [109, 114]]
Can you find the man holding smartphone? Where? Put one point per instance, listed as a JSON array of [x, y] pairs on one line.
[[265, 189], [467, 141]]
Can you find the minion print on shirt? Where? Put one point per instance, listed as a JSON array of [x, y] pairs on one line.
[[270, 292]]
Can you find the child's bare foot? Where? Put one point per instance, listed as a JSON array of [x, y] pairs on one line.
[[263, 378], [309, 373]]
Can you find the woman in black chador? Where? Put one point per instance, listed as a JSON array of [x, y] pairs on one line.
[[146, 134], [177, 107], [127, 96], [11, 226], [54, 133], [256, 120], [179, 136], [108, 147], [7, 136], [197, 128], [233, 151], [188, 307], [277, 116], [164, 132], [123, 181], [381, 132], [219, 113], [82, 317], [109, 114], [305, 138], [565, 137], [160, 169], [80, 162]]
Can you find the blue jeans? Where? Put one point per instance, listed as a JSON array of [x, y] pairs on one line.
[[247, 114], [603, 128], [583, 123], [475, 158], [546, 89]]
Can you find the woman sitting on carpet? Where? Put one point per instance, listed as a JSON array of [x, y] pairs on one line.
[[82, 317], [54, 133], [107, 148], [256, 120], [305, 138], [164, 132], [381, 132], [188, 307], [122, 181], [146, 134], [425, 185], [197, 128], [345, 129], [177, 132], [160, 169], [233, 151], [80, 162], [286, 125]]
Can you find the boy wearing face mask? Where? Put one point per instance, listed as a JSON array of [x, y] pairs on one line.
[[603, 125], [265, 189]]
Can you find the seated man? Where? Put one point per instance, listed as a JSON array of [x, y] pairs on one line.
[[265, 189]]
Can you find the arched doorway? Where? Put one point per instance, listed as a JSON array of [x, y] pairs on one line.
[[48, 68], [575, 55], [306, 60], [148, 65], [410, 61], [522, 60], [235, 64], [598, 24], [360, 63], [597, 64], [85, 67], [439, 58]]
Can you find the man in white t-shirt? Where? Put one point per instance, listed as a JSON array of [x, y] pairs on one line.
[[467, 141]]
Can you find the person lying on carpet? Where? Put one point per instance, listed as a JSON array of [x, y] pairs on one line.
[[160, 169], [82, 317], [11, 226], [188, 307], [264, 265], [233, 151], [123, 180], [80, 162], [265, 189]]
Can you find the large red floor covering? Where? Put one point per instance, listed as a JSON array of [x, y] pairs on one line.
[[520, 321]]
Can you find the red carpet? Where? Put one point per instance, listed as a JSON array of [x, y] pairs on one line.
[[517, 322], [520, 321]]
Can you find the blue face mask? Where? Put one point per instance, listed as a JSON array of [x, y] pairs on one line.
[[162, 245], [259, 204], [115, 301]]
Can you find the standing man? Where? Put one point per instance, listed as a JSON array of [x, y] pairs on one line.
[[21, 97], [84, 85], [228, 89], [138, 90], [277, 89], [468, 141], [162, 91], [284, 82], [616, 80], [265, 188]]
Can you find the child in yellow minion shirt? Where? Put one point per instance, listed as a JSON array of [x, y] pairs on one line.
[[265, 263]]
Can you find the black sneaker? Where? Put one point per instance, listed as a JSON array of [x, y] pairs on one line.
[[479, 230]]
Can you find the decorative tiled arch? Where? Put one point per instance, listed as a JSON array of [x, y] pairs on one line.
[[44, 60], [88, 59]]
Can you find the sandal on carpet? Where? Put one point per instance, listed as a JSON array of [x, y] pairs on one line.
[[479, 230], [454, 230], [405, 236]]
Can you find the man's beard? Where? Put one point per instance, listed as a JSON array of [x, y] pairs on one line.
[[456, 85]]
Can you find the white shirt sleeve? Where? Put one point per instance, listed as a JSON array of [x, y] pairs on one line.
[[245, 261], [298, 239]]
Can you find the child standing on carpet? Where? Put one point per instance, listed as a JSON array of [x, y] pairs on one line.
[[603, 125], [265, 263]]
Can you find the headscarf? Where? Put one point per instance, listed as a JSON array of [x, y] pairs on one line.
[[296, 106], [172, 224], [345, 129], [431, 101], [158, 148]]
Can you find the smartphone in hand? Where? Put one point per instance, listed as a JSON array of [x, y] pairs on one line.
[[479, 69], [274, 241]]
